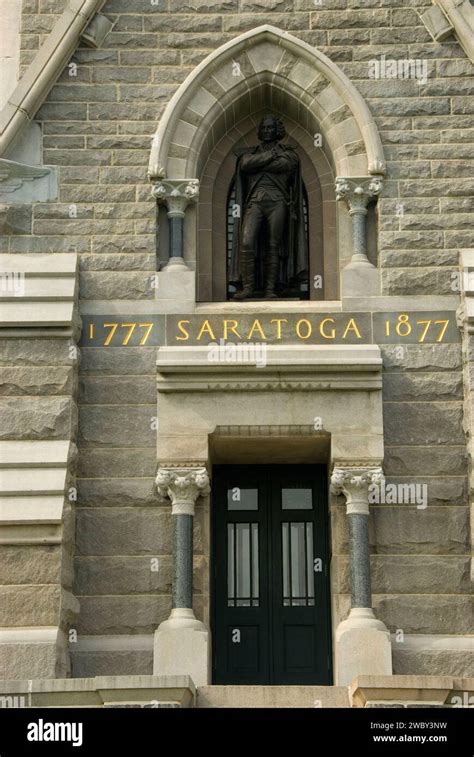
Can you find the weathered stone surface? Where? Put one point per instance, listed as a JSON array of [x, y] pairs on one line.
[[30, 661], [417, 281], [103, 463], [131, 575], [424, 613], [111, 285], [36, 605], [31, 418], [114, 663], [423, 423], [406, 530], [16, 220], [411, 574], [128, 426], [128, 262], [117, 390], [423, 386], [117, 492], [440, 492], [122, 614], [133, 361], [422, 357], [123, 531], [35, 352], [22, 564], [37, 381], [433, 461], [432, 662]]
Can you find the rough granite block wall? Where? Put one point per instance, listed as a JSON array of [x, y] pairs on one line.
[[97, 123]]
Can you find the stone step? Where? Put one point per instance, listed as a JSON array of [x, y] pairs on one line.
[[272, 696]]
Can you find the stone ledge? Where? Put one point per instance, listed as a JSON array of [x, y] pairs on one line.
[[434, 691], [102, 691]]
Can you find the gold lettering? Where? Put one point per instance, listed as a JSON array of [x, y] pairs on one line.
[[278, 322], [256, 327], [352, 326], [206, 326], [332, 332], [232, 328], [183, 331], [298, 328]]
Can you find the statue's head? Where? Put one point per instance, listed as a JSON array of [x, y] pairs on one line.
[[271, 129]]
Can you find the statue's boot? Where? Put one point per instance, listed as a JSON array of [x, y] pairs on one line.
[[248, 278], [271, 278]]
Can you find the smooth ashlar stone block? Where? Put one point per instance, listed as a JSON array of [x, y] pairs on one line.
[[433, 461], [133, 361], [116, 390], [117, 492], [104, 463], [35, 418], [111, 663], [131, 575], [122, 614], [126, 426], [125, 531], [423, 423]]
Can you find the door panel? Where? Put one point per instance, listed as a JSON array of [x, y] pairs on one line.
[[270, 581]]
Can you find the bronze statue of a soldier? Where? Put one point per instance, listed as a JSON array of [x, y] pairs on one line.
[[269, 243]]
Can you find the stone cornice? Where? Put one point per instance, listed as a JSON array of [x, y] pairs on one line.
[[287, 367], [182, 485]]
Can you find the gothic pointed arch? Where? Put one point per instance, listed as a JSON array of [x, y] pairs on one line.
[[229, 85]]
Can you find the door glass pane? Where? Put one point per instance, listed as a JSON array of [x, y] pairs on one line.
[[296, 498], [242, 565], [242, 499], [297, 564]]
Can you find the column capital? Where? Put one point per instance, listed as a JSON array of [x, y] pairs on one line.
[[183, 486], [176, 194], [354, 482], [358, 191]]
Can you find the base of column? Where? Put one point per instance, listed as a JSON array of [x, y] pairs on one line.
[[182, 647], [360, 280], [176, 262], [362, 647]]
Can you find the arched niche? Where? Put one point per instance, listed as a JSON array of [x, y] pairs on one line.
[[217, 108], [215, 183]]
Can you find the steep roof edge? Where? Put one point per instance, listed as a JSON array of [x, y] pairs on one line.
[[42, 73]]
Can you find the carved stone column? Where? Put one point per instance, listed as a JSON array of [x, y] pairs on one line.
[[357, 192], [182, 642], [176, 195], [362, 642]]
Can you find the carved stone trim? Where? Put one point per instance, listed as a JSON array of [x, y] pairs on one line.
[[176, 194], [357, 192], [354, 484], [183, 486]]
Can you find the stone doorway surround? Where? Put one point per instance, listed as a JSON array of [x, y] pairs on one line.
[[207, 414]]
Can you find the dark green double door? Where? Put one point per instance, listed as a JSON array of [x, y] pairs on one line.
[[271, 621]]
